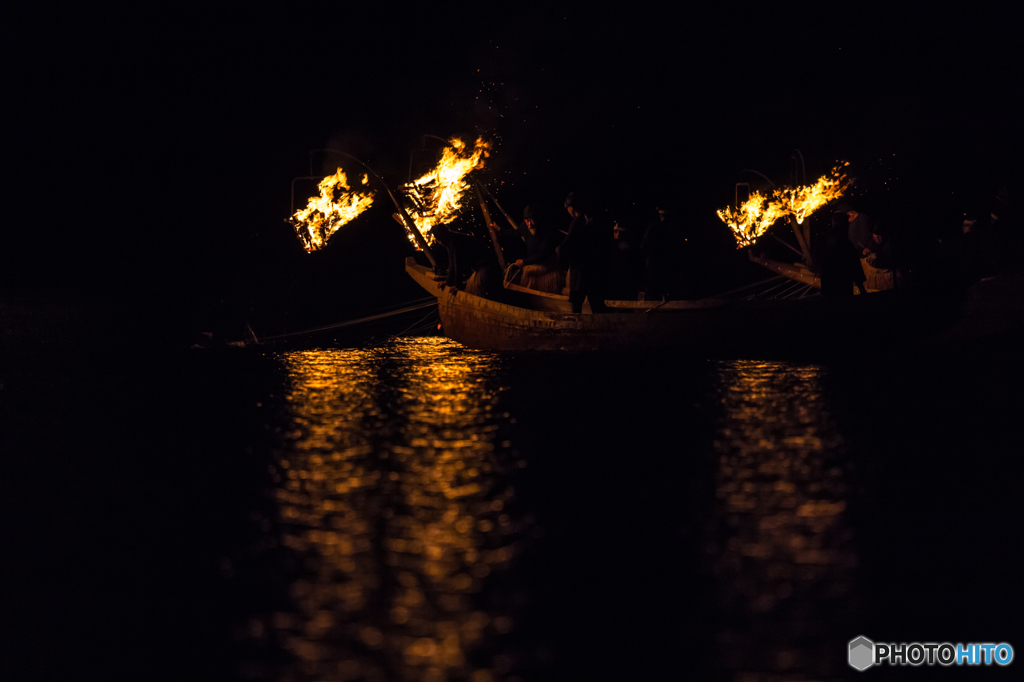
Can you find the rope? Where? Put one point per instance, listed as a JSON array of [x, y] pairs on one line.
[[415, 324], [765, 294], [732, 292], [348, 323], [789, 290], [810, 291], [800, 291], [509, 277], [415, 329]]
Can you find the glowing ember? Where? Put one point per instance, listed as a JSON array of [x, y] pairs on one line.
[[751, 220], [438, 195], [336, 205]]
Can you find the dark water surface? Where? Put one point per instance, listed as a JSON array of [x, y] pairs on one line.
[[418, 511]]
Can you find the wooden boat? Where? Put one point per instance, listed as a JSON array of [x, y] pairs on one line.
[[530, 320], [783, 313]]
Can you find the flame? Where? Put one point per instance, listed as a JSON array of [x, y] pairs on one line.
[[438, 195], [751, 220], [336, 205]]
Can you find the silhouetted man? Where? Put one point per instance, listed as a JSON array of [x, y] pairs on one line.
[[625, 266], [661, 250], [861, 227], [585, 252], [838, 260]]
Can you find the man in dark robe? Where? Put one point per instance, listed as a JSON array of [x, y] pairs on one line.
[[662, 253], [1007, 229], [838, 260], [625, 278], [879, 263], [861, 227], [540, 240], [585, 252]]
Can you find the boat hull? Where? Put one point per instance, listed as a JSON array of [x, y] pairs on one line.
[[706, 325], [480, 323], [720, 326]]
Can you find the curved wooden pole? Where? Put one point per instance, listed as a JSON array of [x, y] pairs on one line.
[[509, 218], [491, 227]]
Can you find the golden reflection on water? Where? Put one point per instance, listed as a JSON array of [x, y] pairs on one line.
[[782, 555], [390, 498]]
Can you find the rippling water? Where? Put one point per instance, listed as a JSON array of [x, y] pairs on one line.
[[782, 553], [391, 493], [419, 511]]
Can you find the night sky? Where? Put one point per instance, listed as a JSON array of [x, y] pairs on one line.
[[151, 150]]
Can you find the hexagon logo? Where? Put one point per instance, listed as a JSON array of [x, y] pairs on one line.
[[862, 653]]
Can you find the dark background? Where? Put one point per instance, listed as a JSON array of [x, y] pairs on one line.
[[147, 157], [148, 152]]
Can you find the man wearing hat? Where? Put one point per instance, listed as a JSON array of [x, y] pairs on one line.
[[540, 264], [540, 240], [860, 230]]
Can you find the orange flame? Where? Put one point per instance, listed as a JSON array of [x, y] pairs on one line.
[[438, 195], [336, 205], [751, 220]]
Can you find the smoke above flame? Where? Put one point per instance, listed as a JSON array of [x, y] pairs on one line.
[[753, 218], [337, 205], [438, 195]]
